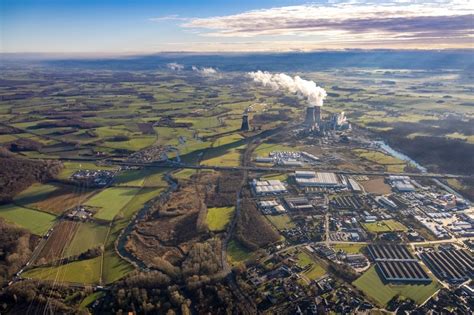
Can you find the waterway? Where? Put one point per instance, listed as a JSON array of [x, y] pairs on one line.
[[399, 155]]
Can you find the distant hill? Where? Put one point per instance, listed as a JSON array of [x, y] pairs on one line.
[[382, 59]]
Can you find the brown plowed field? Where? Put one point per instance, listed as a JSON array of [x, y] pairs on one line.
[[63, 199], [59, 239]]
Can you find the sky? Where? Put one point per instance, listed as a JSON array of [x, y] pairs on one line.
[[132, 27]]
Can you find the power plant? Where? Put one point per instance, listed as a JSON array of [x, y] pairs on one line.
[[314, 123], [245, 122]]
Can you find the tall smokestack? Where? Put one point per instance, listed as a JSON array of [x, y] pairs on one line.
[[310, 116], [245, 123]]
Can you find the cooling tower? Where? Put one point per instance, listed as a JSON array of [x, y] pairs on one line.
[[310, 119], [245, 123], [317, 114]]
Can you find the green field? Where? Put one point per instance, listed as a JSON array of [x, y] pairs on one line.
[[218, 218], [281, 221], [110, 201], [131, 178], [349, 248], [373, 287], [237, 253], [227, 139], [88, 300], [230, 157], [315, 271], [184, 174], [33, 194], [391, 163], [36, 222], [385, 226], [89, 235], [83, 271]]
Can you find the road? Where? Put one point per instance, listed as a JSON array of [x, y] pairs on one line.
[[271, 169]]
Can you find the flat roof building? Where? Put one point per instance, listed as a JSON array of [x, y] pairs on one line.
[[318, 180]]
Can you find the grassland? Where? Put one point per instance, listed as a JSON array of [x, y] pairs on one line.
[[230, 157], [349, 248], [373, 287], [218, 218], [315, 271], [237, 253], [83, 271], [281, 221], [36, 222], [89, 235], [88, 300], [110, 201], [391, 163], [385, 226], [33, 194]]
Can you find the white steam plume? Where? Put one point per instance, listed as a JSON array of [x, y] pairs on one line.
[[313, 93], [204, 70], [175, 66]]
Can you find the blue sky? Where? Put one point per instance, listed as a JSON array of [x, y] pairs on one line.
[[123, 27]]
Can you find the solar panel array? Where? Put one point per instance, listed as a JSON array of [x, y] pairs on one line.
[[456, 265], [395, 263]]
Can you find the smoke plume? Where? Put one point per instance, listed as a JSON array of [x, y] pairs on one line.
[[175, 66], [308, 89], [204, 70]]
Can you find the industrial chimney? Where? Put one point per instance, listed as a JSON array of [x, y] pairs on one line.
[[245, 123]]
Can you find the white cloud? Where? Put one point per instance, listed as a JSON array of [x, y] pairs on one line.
[[348, 23], [172, 17]]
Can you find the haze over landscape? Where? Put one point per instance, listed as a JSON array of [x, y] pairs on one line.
[[244, 157]]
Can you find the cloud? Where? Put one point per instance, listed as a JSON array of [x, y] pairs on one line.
[[206, 71], [175, 66], [348, 22], [172, 17]]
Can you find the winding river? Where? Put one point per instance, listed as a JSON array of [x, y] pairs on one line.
[[385, 147]]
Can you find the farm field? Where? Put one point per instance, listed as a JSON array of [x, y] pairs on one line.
[[83, 272], [63, 198], [218, 218], [88, 235], [35, 193], [58, 242], [36, 222], [110, 201], [373, 287]]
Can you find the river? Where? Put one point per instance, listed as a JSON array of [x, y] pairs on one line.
[[399, 155]]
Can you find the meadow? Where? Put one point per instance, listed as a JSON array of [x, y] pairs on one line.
[[218, 218], [36, 222], [110, 201]]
